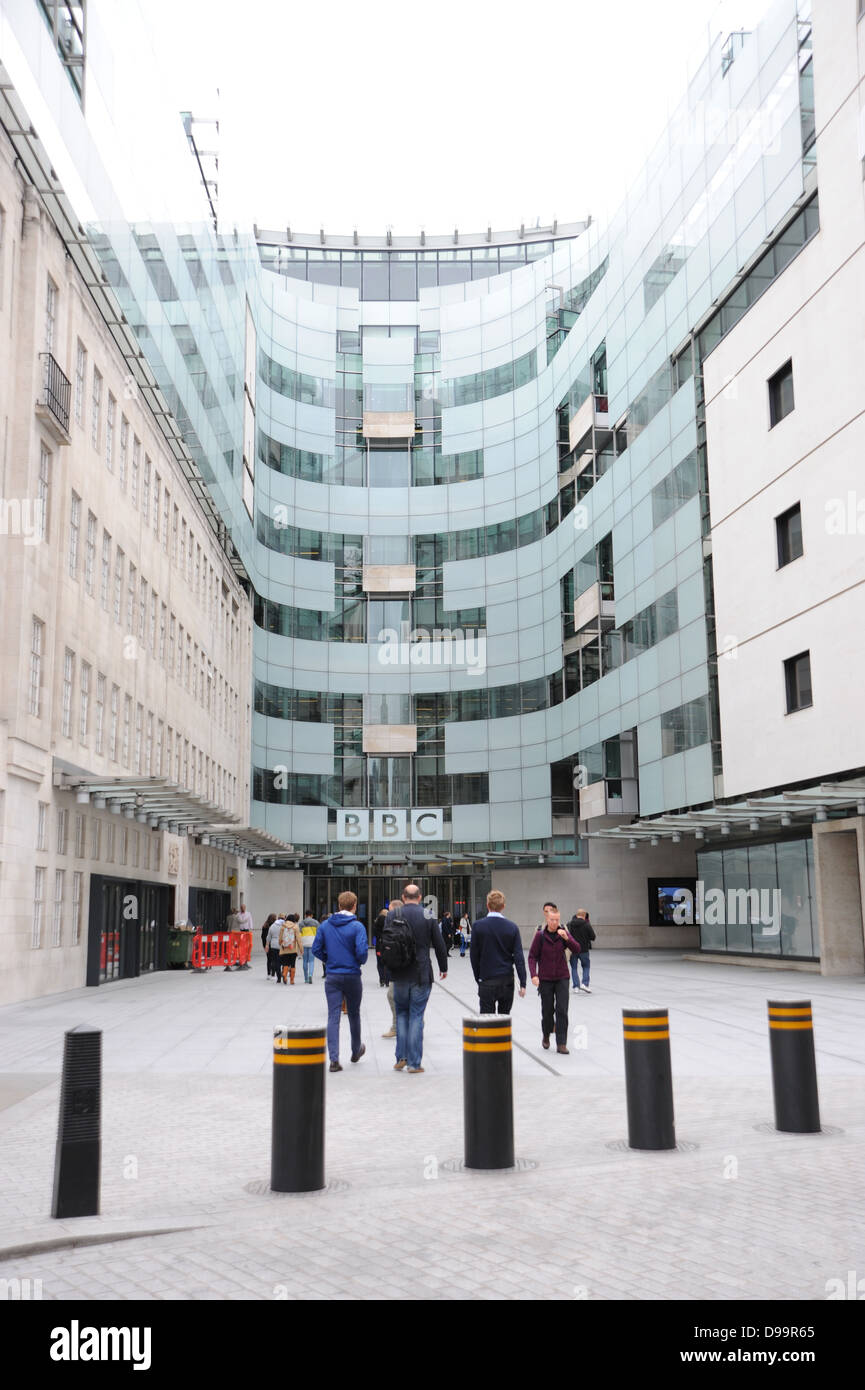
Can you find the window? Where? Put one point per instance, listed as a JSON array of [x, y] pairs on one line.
[[68, 677], [84, 703], [139, 721], [77, 883], [124, 450], [788, 533], [781, 394], [80, 836], [41, 826], [142, 609], [127, 728], [797, 679], [50, 314], [74, 534], [95, 838], [109, 842], [34, 695], [44, 490], [163, 614], [57, 923], [160, 735], [148, 746], [106, 569], [100, 714], [157, 502], [90, 554], [131, 588], [166, 514], [136, 464], [38, 903], [112, 728], [172, 627], [62, 825], [145, 491], [110, 417], [118, 584], [151, 635], [175, 529], [96, 410], [80, 382]]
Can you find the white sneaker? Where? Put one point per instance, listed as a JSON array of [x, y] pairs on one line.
[[585, 989]]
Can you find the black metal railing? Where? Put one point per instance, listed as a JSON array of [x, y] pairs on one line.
[[56, 390]]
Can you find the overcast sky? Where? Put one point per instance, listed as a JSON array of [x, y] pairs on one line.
[[452, 113]]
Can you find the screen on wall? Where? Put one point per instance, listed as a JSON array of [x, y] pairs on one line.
[[672, 901]]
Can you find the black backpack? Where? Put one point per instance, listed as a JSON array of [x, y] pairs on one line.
[[398, 946]]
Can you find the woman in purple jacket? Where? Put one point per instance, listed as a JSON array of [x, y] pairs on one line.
[[548, 967]]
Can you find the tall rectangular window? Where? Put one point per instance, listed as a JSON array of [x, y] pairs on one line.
[[62, 830], [127, 729], [96, 410], [160, 735], [68, 677], [57, 922], [157, 503], [142, 609], [77, 889], [124, 451], [106, 570], [74, 534], [42, 826], [781, 401], [99, 733], [166, 516], [145, 491], [148, 746], [136, 466], [175, 531], [119, 559], [131, 591], [163, 617], [80, 381], [44, 491], [139, 721], [84, 703], [172, 627], [38, 907], [95, 838], [788, 535], [797, 680], [109, 841], [90, 554], [80, 836], [112, 726], [183, 547], [151, 637], [50, 314], [110, 419], [34, 693]]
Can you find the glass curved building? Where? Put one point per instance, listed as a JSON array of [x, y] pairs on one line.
[[465, 481]]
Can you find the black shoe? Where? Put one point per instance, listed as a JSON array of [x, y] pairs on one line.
[[334, 1066], [356, 1056]]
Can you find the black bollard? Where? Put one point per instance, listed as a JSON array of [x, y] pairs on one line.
[[79, 1133], [794, 1069], [649, 1079], [488, 1091], [297, 1141]]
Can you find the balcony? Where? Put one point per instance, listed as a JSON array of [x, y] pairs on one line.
[[594, 610], [389, 579], [52, 405], [604, 801], [388, 424], [592, 414]]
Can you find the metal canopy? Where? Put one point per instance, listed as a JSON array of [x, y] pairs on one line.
[[801, 806]]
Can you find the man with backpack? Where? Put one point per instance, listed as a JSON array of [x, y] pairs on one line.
[[341, 942], [406, 939]]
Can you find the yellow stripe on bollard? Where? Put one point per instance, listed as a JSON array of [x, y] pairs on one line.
[[301, 1059], [775, 1026], [780, 1011], [294, 1043], [645, 1037], [486, 1032], [487, 1047], [653, 1021]]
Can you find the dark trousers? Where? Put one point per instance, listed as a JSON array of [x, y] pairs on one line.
[[273, 962], [554, 1001], [337, 988], [496, 995]]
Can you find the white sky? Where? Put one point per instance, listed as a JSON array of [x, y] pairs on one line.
[[432, 113]]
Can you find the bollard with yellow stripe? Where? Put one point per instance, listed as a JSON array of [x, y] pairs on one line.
[[794, 1067], [488, 1091], [297, 1139], [648, 1079]]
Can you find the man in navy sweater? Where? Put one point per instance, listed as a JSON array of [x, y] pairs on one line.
[[495, 950]]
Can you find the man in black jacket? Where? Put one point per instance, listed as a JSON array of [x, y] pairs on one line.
[[413, 984], [582, 931], [495, 950]]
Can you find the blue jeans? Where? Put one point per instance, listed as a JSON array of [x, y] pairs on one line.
[[337, 988], [410, 1001], [576, 961], [308, 963]]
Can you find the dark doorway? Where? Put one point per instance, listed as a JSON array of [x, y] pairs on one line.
[[127, 928]]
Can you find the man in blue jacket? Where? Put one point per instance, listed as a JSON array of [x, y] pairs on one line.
[[496, 948], [341, 945]]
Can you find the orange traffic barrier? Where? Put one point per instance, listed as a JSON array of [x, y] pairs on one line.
[[239, 948], [210, 950]]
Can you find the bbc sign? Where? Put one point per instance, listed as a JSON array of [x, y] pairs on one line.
[[420, 824]]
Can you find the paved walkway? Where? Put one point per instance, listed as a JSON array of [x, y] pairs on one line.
[[738, 1211]]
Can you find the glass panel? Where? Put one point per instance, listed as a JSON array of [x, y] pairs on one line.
[[796, 932], [713, 936]]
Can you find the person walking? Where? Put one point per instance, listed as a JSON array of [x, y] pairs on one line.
[[548, 967], [447, 930], [245, 923], [341, 941], [465, 932], [289, 945], [407, 938], [308, 929], [582, 931], [379, 963], [496, 950], [273, 934], [391, 907], [264, 931]]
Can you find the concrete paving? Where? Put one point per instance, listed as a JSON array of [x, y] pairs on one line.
[[737, 1211]]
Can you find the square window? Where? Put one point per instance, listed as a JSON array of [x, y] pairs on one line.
[[797, 680], [788, 532], [781, 401]]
